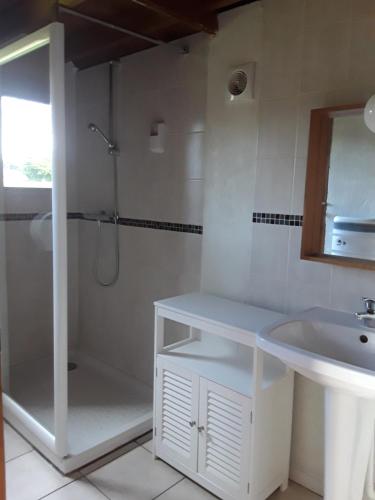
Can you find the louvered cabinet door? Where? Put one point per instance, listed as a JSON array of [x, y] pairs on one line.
[[224, 439], [177, 400]]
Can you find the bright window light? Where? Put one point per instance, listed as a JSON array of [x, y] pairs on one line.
[[26, 143]]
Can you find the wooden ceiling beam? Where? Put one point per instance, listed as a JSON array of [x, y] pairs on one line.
[[197, 21], [112, 50], [71, 3], [222, 5], [25, 17]]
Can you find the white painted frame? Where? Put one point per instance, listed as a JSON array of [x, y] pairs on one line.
[[52, 35]]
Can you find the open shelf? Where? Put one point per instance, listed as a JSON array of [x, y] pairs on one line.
[[231, 367]]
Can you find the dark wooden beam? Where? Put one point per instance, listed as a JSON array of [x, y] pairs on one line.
[[197, 20], [223, 5], [111, 51], [71, 3], [26, 16]]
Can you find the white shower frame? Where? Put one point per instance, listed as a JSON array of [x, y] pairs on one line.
[[52, 35]]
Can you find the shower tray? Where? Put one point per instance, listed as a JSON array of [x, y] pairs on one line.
[[107, 408]]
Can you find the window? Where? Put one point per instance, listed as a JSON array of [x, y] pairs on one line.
[[26, 143]]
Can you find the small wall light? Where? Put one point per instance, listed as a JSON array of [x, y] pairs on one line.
[[369, 114]]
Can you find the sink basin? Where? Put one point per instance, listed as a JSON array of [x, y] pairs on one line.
[[327, 346], [335, 350]]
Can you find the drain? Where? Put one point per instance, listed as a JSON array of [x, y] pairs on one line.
[[72, 366], [363, 339]]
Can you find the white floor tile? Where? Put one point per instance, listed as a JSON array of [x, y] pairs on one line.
[[30, 477], [186, 490], [146, 441], [88, 469], [148, 446], [295, 492], [79, 490], [15, 445], [134, 476]]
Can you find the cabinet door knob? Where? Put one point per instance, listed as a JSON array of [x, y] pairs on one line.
[[201, 428], [193, 423]]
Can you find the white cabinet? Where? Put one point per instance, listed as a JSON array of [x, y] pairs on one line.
[[222, 408], [177, 400], [204, 427], [224, 438]]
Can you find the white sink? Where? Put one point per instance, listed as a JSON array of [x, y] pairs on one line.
[[335, 350], [325, 346]]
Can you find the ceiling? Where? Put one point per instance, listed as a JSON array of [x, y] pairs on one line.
[[89, 43]]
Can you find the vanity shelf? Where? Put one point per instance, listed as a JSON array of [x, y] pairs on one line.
[[222, 408], [232, 369]]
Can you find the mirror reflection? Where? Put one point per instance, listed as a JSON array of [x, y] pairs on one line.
[[350, 202]]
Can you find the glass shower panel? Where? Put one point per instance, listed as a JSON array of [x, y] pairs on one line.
[[26, 145], [31, 253]]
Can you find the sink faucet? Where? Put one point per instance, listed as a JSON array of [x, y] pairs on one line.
[[367, 316]]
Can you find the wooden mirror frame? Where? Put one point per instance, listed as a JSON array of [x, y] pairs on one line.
[[316, 187]]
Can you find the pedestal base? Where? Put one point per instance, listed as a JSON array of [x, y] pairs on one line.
[[349, 434]]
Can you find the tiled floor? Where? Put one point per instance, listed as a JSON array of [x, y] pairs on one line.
[[127, 474]]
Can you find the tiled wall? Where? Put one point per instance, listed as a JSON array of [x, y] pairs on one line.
[[160, 197], [310, 54]]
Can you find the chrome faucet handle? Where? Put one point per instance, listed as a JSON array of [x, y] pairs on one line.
[[369, 305]]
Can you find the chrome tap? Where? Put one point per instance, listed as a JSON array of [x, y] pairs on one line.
[[368, 316]]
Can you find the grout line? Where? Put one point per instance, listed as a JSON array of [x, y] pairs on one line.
[[142, 446], [165, 491], [57, 489], [19, 456], [112, 456], [96, 487], [73, 480], [82, 478]]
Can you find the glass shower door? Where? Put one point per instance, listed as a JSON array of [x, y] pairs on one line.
[[33, 219]]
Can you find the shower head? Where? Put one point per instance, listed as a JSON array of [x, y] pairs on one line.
[[93, 127], [111, 145]]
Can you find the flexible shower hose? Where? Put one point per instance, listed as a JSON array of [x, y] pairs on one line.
[[98, 252]]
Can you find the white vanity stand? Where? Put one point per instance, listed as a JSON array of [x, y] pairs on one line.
[[222, 407]]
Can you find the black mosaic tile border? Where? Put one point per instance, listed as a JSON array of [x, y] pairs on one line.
[[123, 221], [165, 226], [277, 219], [16, 217], [31, 215]]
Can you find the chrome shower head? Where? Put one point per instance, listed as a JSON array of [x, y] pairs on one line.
[[93, 127], [111, 145]]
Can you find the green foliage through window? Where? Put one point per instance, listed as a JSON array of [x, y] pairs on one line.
[[26, 143]]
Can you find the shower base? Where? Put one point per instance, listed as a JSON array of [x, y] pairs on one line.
[[107, 408]]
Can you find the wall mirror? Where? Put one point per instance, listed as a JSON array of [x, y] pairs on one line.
[[339, 213]]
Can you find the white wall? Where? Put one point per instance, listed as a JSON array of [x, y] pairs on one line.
[[310, 54], [116, 323]]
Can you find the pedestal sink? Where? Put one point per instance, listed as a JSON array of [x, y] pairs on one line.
[[334, 349]]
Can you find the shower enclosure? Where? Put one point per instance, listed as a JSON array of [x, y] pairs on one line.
[[71, 406]]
